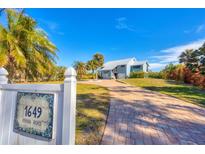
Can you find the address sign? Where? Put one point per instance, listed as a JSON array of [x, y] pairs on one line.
[[34, 114]]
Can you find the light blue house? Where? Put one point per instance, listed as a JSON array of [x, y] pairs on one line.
[[120, 69]]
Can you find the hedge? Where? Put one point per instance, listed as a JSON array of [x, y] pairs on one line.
[[156, 75], [137, 74]]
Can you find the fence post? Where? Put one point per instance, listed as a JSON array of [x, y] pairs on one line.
[[3, 76], [3, 80], [69, 107]]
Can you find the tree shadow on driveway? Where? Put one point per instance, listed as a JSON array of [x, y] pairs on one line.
[[152, 120]]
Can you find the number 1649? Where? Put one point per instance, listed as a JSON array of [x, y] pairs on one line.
[[35, 111]]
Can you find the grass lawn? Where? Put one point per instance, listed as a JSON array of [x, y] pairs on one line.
[[92, 110], [182, 91]]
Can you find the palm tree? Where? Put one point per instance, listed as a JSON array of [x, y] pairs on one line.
[[99, 59], [186, 56], [92, 66], [60, 71], [80, 68], [24, 47], [190, 59], [202, 59]]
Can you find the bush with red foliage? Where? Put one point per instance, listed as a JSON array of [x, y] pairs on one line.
[[194, 78]]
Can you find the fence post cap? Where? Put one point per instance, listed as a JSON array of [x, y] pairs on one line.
[[70, 72], [3, 72], [3, 76]]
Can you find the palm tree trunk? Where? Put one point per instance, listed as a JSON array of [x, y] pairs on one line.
[[93, 73], [11, 69]]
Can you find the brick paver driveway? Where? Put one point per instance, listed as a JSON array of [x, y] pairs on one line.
[[139, 116]]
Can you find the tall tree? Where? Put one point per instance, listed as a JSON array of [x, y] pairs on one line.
[[169, 70], [99, 59], [24, 47], [92, 66], [80, 68], [190, 59], [186, 56], [96, 62], [201, 57]]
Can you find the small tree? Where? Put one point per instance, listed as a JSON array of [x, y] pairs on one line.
[[99, 60], [56, 73], [80, 68], [168, 71], [60, 71], [179, 72], [95, 63], [92, 66]]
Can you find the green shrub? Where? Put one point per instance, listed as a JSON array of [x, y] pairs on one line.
[[137, 74], [156, 75]]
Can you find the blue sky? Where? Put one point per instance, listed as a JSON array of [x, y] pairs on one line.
[[155, 35]]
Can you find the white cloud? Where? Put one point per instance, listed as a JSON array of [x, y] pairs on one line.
[[171, 55], [187, 31], [200, 28], [52, 26], [196, 29], [156, 66], [122, 24]]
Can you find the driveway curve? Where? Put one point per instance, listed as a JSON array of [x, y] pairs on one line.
[[143, 117]]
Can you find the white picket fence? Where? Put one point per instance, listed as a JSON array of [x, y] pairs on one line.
[[64, 111]]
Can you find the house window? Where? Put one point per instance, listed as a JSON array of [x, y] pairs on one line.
[[136, 68]]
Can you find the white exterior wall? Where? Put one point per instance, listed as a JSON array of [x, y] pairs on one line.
[[124, 73], [129, 66], [145, 67]]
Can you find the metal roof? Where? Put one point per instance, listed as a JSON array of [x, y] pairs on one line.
[[112, 64], [140, 62]]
